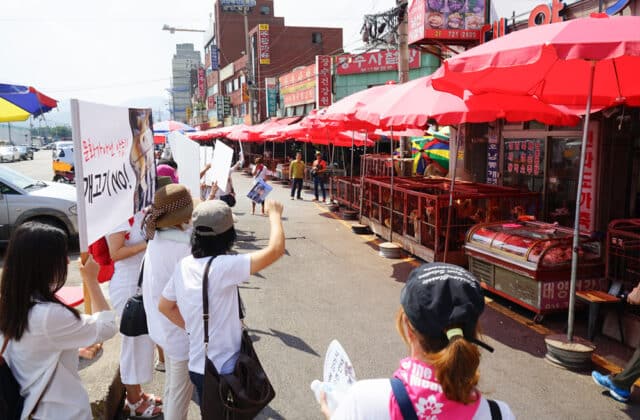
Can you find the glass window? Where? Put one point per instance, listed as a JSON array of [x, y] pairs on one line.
[[524, 164], [236, 84], [265, 10], [316, 37], [562, 179]]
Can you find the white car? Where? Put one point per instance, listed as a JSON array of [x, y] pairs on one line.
[[24, 199], [9, 154]]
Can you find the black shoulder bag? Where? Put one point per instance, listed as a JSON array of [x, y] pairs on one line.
[[409, 412], [11, 402], [242, 394], [134, 319]]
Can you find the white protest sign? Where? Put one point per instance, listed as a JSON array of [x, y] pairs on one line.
[[337, 366], [114, 165], [221, 165], [186, 152]]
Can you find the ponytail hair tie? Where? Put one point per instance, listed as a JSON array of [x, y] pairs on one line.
[[454, 332]]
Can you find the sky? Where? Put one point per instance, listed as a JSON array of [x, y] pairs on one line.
[[114, 51]]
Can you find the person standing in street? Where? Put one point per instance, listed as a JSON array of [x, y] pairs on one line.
[[259, 173], [619, 386], [318, 171], [296, 174]]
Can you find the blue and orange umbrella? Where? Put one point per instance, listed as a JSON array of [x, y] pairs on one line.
[[18, 103]]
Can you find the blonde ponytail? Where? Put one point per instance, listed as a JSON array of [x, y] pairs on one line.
[[456, 368]]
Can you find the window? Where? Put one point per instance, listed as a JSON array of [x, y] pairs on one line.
[[562, 179], [229, 87], [243, 79], [236, 84], [524, 163], [316, 37], [5, 189], [265, 10]]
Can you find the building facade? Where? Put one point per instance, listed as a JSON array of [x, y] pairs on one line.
[[184, 81]]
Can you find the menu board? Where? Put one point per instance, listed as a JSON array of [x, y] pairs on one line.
[[523, 157], [455, 14]]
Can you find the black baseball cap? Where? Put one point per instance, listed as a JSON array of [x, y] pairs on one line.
[[438, 297]]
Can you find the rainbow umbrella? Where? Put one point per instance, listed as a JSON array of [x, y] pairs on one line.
[[436, 149], [17, 102]]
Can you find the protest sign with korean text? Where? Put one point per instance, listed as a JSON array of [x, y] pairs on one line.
[[114, 165]]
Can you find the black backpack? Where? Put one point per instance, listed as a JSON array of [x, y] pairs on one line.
[[11, 402]]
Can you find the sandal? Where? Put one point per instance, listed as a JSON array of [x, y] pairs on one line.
[[150, 412], [155, 400]]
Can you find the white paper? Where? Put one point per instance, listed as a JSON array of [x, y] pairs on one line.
[[206, 154], [114, 165], [186, 152], [338, 368], [221, 165]]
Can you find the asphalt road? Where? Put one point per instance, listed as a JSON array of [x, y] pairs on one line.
[[333, 284]]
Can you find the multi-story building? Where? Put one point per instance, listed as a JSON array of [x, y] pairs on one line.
[[236, 78], [184, 81]]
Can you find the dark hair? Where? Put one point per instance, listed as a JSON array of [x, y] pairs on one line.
[[35, 268], [168, 162], [258, 160], [211, 246]]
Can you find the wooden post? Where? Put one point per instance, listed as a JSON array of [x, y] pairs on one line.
[[84, 256]]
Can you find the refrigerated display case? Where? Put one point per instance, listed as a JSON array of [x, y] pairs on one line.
[[529, 262]]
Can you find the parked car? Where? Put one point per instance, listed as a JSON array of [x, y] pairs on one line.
[[26, 152], [9, 154], [23, 199]]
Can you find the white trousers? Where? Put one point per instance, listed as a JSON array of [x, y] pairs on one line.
[[177, 389]]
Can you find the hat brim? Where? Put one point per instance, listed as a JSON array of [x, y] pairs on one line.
[[175, 218]]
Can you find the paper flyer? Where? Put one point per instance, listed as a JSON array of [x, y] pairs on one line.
[[260, 191]]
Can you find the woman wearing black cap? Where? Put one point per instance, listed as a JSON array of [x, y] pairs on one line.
[[438, 320]]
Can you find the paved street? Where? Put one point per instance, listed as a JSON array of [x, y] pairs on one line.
[[332, 284]]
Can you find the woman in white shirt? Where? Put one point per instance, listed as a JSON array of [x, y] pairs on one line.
[[438, 320], [181, 301], [126, 247], [168, 232], [43, 333], [259, 173]]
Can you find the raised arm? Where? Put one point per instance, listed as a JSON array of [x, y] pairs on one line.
[[119, 251], [275, 249]]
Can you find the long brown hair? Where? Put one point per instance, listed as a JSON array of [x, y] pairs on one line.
[[35, 268], [455, 362]]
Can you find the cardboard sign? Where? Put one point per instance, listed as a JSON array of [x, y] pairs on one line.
[[260, 191], [221, 165], [338, 368], [186, 151], [114, 164], [206, 156]]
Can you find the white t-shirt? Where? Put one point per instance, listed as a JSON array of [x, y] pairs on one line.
[[47, 353], [225, 329], [163, 254], [369, 400]]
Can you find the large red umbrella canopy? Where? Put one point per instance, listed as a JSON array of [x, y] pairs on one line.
[[211, 134], [553, 62], [414, 103]]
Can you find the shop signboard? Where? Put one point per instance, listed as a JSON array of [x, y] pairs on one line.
[[452, 20], [220, 107], [215, 57], [493, 157], [523, 157], [202, 83], [236, 5], [588, 197], [271, 86], [114, 164], [323, 81], [263, 44], [374, 62], [227, 72], [299, 86], [211, 102]]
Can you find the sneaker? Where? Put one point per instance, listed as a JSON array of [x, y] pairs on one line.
[[159, 366], [604, 381], [292, 198]]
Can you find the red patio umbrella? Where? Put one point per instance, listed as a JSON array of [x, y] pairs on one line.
[[581, 62]]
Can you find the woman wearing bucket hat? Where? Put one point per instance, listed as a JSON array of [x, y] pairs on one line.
[[167, 229], [181, 301], [438, 320]]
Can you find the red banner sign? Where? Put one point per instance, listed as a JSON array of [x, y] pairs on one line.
[[202, 83], [588, 196], [211, 102], [451, 20], [374, 62], [323, 83], [264, 44], [299, 86]]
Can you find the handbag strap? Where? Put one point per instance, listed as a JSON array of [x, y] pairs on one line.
[[140, 275], [404, 402], [205, 302], [496, 414]]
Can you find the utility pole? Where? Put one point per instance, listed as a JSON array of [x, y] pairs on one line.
[[247, 51], [403, 70]]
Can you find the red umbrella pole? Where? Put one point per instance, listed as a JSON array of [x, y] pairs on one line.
[[363, 162], [576, 221], [451, 191]]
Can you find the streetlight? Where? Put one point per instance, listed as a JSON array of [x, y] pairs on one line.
[[173, 29]]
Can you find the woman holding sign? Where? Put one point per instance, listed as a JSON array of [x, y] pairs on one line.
[[438, 321], [259, 174], [127, 246]]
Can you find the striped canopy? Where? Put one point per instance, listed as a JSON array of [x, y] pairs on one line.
[[17, 102]]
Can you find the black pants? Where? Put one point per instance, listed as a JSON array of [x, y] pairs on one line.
[[296, 183], [630, 374], [318, 182]]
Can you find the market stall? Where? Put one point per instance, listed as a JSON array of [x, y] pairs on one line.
[[529, 263]]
